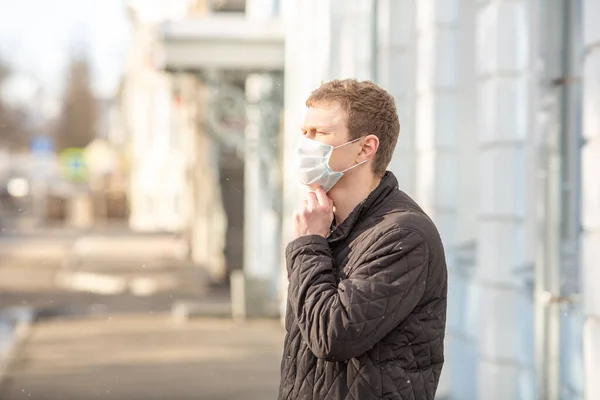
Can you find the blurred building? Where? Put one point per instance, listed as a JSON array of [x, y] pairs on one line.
[[493, 115], [157, 168], [232, 57], [173, 159]]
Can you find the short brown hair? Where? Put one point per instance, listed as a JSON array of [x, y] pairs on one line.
[[370, 110]]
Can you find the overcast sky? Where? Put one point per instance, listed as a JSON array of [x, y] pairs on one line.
[[36, 37]]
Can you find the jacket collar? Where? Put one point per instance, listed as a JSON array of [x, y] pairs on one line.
[[379, 195]]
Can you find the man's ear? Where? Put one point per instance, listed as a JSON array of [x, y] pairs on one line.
[[369, 148]]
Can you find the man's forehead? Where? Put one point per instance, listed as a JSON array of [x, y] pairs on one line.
[[326, 117]]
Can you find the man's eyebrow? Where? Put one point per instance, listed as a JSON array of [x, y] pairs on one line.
[[319, 128]]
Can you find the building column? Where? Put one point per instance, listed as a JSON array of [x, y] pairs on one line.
[[351, 25], [461, 340], [436, 123], [503, 305], [395, 72], [254, 290], [254, 294], [591, 197], [207, 236]]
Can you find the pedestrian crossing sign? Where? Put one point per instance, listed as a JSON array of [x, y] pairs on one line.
[[72, 165]]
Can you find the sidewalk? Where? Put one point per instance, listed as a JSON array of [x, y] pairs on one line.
[[108, 268], [124, 343], [147, 357]]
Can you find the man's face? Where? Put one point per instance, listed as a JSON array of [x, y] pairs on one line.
[[328, 123]]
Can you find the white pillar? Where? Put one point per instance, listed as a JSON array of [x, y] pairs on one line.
[[254, 289], [504, 364], [351, 36], [591, 197], [461, 340], [261, 183], [395, 72], [436, 123]]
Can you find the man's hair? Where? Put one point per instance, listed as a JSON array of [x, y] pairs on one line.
[[370, 110]]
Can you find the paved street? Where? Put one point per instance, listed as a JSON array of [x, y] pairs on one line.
[[123, 343], [148, 357]]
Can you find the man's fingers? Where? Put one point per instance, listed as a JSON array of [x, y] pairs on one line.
[[322, 198], [311, 201]]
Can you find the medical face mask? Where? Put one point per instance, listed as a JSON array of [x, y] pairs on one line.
[[313, 164]]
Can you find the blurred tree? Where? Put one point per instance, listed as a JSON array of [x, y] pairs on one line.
[[15, 132], [77, 123]]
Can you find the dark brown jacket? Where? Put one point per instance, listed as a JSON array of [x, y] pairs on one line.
[[366, 311]]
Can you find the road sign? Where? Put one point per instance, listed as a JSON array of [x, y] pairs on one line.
[[73, 166]]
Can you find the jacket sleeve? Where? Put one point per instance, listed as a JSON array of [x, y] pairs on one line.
[[340, 321]]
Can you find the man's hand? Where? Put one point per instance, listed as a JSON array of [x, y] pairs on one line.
[[315, 217]]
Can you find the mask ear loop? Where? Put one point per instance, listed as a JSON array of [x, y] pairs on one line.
[[350, 142], [354, 166]]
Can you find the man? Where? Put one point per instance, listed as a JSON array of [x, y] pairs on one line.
[[366, 310]]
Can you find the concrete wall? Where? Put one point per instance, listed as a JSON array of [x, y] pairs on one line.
[[591, 196]]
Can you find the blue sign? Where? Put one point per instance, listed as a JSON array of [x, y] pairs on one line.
[[42, 145]]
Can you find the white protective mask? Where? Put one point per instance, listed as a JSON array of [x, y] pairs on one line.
[[313, 164]]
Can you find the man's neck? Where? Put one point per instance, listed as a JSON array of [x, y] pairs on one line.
[[347, 197]]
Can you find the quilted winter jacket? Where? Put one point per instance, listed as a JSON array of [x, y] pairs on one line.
[[366, 311]]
